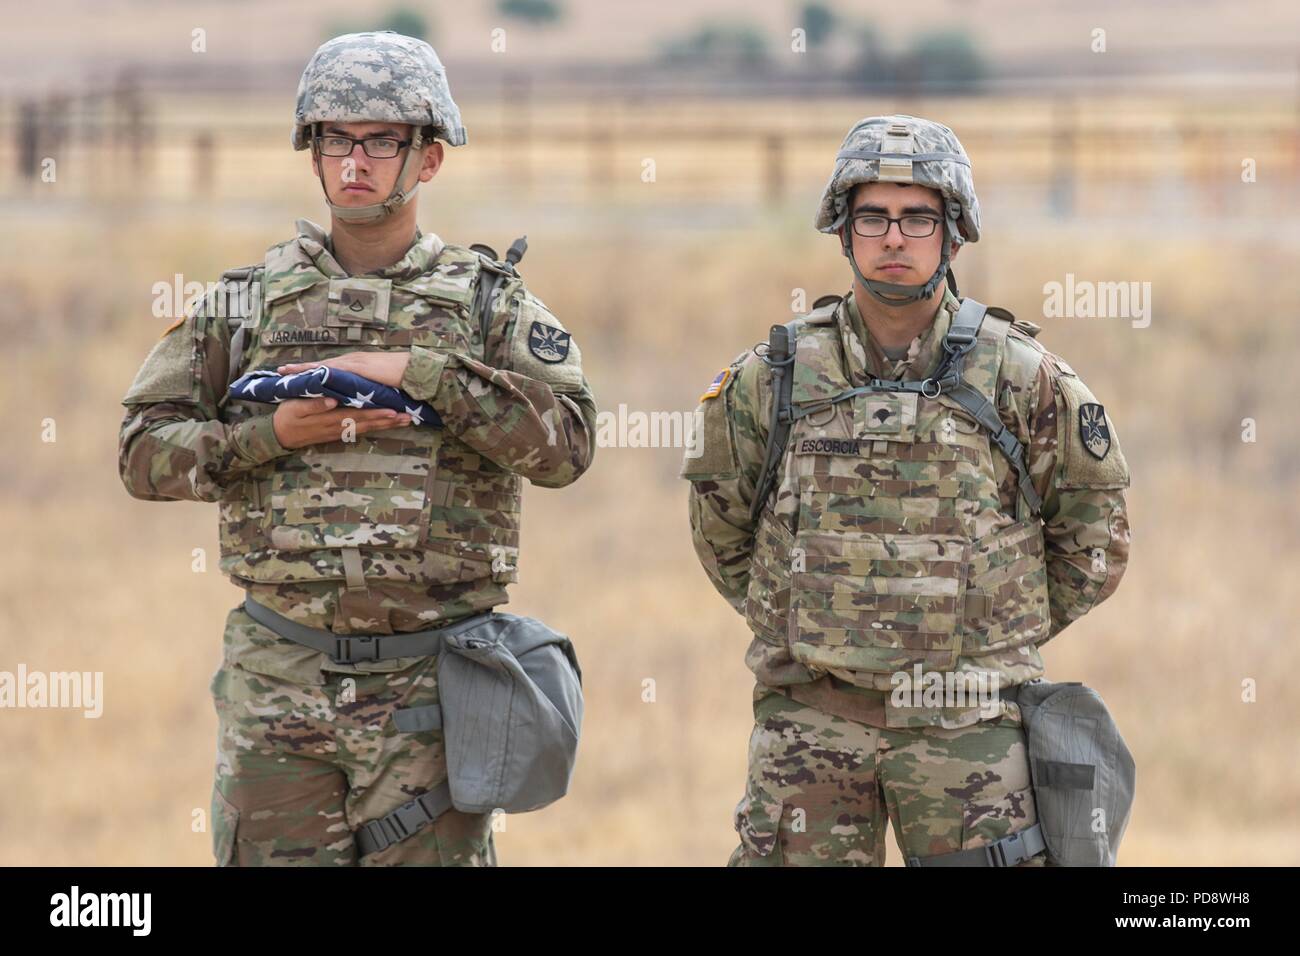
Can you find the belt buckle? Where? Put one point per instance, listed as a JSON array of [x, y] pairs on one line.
[[343, 651]]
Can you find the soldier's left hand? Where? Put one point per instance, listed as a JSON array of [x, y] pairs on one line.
[[386, 368]]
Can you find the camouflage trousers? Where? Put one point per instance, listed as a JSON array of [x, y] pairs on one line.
[[822, 789], [301, 765]]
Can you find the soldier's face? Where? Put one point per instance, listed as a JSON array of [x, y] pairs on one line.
[[895, 257], [361, 180]]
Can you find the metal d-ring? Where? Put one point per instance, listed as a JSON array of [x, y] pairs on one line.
[[938, 388], [830, 408]]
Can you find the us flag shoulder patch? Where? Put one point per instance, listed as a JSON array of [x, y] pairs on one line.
[[716, 386], [173, 327]]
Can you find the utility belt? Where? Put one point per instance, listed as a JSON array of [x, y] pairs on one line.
[[510, 711], [356, 648]]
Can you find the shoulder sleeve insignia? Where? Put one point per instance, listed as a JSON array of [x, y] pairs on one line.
[[548, 343], [1093, 430], [1091, 454], [716, 386]]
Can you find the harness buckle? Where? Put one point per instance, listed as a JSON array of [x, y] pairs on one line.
[[995, 854]]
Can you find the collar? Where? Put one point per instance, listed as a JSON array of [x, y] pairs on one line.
[[419, 258], [865, 358]]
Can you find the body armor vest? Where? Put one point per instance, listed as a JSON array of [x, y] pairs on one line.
[[409, 504], [886, 547]]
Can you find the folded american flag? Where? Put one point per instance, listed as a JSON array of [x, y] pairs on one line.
[[351, 390]]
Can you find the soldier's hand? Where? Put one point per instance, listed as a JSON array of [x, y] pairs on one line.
[[386, 368], [313, 421]]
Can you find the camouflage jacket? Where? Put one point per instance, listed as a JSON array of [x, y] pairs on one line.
[[1085, 529], [183, 439]]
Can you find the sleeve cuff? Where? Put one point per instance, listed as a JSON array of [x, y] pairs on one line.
[[255, 440], [423, 373]]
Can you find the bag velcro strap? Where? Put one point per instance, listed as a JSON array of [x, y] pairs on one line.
[[411, 720], [407, 819], [1008, 851], [1064, 776]]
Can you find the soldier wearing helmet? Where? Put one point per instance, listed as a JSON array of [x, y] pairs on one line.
[[358, 532], [905, 495]]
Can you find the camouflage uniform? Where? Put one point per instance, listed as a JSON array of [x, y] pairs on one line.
[[897, 541], [399, 530]]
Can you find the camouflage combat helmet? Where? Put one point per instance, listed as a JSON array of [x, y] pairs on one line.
[[903, 149], [377, 77]]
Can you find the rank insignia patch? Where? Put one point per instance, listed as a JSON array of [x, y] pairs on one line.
[[358, 301], [716, 386], [1093, 430], [548, 343]]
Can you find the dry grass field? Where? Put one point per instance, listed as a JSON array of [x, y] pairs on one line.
[[661, 287]]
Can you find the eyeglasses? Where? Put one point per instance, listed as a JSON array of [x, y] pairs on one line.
[[376, 147], [914, 227]]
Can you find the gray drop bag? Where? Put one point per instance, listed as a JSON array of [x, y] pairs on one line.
[[1079, 765], [511, 696]]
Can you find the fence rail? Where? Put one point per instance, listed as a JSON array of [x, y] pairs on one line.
[[121, 142]]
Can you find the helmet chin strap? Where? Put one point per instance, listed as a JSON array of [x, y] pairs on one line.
[[898, 294], [381, 210]]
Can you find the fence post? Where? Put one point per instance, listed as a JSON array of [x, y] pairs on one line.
[[600, 148], [1061, 186], [516, 113], [774, 167], [204, 163]]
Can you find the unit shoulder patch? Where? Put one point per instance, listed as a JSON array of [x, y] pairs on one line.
[[1093, 430], [1091, 457], [548, 342], [541, 347]]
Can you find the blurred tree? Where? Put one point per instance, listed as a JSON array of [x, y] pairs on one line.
[[946, 58], [533, 11], [735, 45], [871, 65], [404, 20], [817, 20], [407, 22]]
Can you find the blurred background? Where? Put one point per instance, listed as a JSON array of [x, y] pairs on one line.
[[665, 161]]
